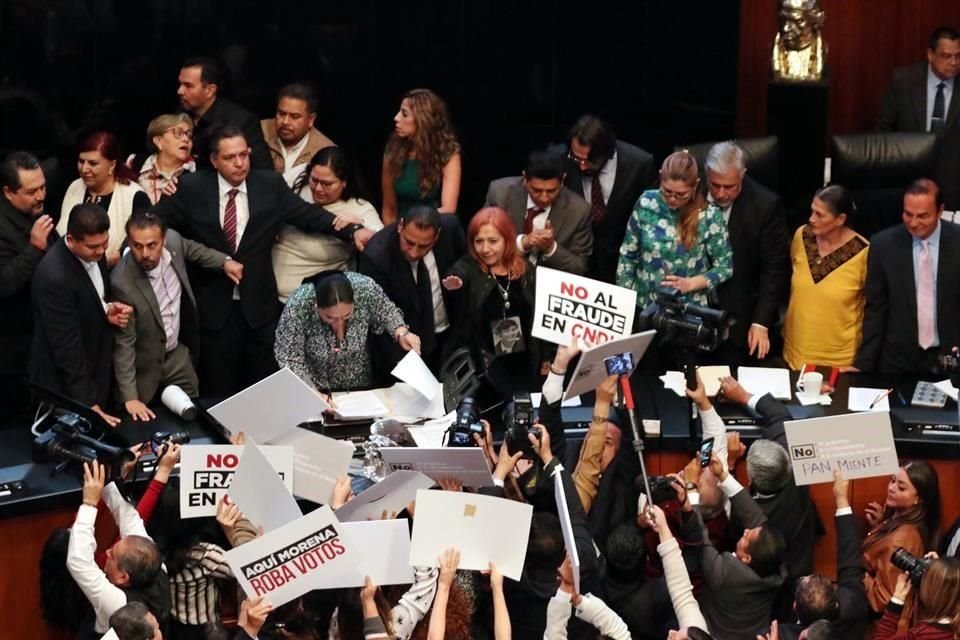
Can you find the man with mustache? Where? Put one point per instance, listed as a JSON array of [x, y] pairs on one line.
[[290, 134]]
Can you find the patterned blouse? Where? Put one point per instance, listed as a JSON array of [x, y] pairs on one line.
[[310, 347], [652, 249]]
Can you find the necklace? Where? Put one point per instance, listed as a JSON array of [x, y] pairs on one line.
[[504, 292]]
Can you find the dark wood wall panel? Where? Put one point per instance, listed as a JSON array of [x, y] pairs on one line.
[[866, 40]]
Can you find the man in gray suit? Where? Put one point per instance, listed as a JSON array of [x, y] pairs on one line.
[[553, 223], [153, 350]]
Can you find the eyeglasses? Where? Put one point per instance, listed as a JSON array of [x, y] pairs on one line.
[[326, 184], [581, 161], [180, 134], [674, 195]]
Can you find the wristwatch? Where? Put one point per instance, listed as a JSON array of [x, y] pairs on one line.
[[690, 486]]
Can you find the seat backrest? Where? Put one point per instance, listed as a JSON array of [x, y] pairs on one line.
[[877, 167], [761, 156]]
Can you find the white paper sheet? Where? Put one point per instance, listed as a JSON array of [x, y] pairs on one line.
[[947, 387], [294, 559], [392, 494], [403, 401], [359, 404], [823, 399], [761, 380], [317, 463], [429, 437], [567, 527], [711, 377], [570, 402], [860, 399], [414, 371], [676, 382], [260, 493], [476, 525], [275, 405], [385, 556]]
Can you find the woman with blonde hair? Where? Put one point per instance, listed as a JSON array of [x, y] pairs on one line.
[[421, 163], [675, 238], [171, 137]]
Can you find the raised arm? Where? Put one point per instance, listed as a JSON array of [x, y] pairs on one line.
[[438, 617], [675, 572]]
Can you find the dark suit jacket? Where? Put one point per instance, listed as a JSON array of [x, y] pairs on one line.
[[761, 261], [18, 260], [569, 217], [947, 539], [72, 346], [890, 318], [635, 172], [141, 346], [194, 211], [222, 112], [383, 261], [904, 108]]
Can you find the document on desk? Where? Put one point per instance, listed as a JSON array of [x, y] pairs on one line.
[[711, 377], [761, 380], [868, 399], [359, 404], [275, 405], [476, 525]]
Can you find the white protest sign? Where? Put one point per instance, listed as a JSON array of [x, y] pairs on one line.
[[476, 525], [271, 407], [385, 556], [567, 527], [294, 559], [207, 472], [317, 463], [392, 494], [860, 445], [591, 370], [469, 464], [260, 494], [569, 306]]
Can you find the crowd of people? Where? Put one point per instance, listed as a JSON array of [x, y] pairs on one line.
[[232, 246]]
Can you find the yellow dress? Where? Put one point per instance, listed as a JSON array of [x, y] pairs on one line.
[[824, 321]]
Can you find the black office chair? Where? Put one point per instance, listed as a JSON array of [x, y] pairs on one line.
[[761, 156], [877, 167]]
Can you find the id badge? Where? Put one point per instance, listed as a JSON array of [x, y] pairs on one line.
[[507, 336]]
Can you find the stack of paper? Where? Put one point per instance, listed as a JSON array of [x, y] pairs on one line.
[[761, 380], [868, 399]]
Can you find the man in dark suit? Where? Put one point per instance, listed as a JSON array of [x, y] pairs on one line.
[[923, 97], [200, 81], [72, 345], [239, 212], [912, 289], [25, 235], [815, 598], [154, 349], [408, 259], [621, 171], [553, 223], [761, 254]]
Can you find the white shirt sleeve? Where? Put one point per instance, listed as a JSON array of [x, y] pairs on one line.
[[558, 613], [679, 586], [553, 388], [596, 612], [124, 513], [103, 596], [731, 486]]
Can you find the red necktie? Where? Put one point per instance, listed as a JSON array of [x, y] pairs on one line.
[[230, 221], [597, 206], [532, 213]]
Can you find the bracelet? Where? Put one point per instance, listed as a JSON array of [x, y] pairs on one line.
[[557, 373], [405, 331], [599, 420]]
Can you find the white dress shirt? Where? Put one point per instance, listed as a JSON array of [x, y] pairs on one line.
[[932, 81], [441, 322], [243, 205], [290, 155], [93, 272], [539, 223]]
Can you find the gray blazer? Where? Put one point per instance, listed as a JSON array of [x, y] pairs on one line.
[[569, 216], [140, 347]]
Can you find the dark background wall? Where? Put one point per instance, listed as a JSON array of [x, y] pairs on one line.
[[515, 74]]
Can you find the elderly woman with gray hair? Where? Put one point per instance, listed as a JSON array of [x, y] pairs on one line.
[[171, 137]]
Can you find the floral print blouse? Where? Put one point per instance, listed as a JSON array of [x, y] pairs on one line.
[[652, 249], [310, 348]]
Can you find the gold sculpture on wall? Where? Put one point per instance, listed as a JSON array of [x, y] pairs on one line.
[[799, 50]]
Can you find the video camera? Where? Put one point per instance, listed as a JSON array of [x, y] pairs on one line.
[[911, 565], [72, 438], [518, 422], [684, 323]]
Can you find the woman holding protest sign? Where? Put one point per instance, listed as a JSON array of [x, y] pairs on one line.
[[492, 299]]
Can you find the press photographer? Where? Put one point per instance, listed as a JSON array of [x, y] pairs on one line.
[[937, 605]]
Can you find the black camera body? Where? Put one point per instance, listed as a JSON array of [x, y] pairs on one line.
[[911, 565], [684, 323], [467, 423], [518, 419], [72, 439], [661, 489]]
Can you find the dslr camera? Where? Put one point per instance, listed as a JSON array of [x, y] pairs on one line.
[[461, 432], [518, 419], [910, 564], [661, 489], [684, 323]]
